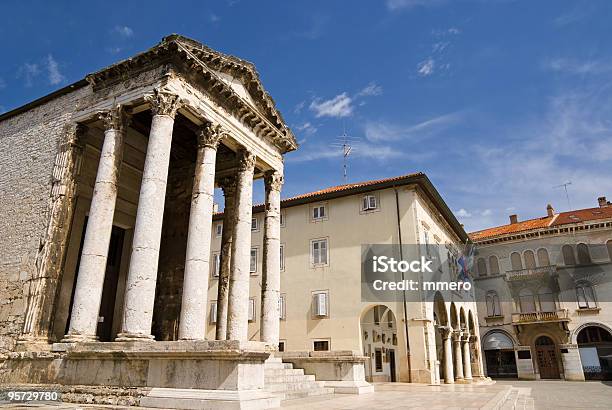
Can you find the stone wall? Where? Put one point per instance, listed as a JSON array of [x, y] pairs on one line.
[[30, 142]]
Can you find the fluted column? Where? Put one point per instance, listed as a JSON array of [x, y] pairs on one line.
[[238, 301], [270, 280], [458, 355], [92, 268], [467, 361], [142, 274], [228, 185], [192, 323], [447, 332]]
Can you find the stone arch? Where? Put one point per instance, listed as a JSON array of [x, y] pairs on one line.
[[379, 342], [454, 318], [471, 323], [574, 336], [515, 342], [462, 318], [440, 311]]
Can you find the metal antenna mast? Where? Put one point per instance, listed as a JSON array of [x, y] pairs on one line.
[[564, 186], [345, 143]]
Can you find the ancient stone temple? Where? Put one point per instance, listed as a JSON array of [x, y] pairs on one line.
[[106, 231]]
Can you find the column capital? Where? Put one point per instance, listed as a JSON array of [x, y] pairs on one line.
[[274, 180], [246, 160], [210, 135], [465, 337], [164, 102], [115, 118], [457, 335], [473, 338], [446, 331], [228, 185]]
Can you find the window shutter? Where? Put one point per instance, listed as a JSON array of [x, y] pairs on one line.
[[282, 257], [321, 304], [281, 306], [213, 313], [365, 203], [315, 212], [582, 300], [315, 252], [216, 265], [251, 309], [253, 267], [372, 202], [321, 212], [323, 256]]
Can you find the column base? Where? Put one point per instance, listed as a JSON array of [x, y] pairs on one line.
[[78, 338], [134, 337]]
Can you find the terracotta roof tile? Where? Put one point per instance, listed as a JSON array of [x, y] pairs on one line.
[[583, 215]]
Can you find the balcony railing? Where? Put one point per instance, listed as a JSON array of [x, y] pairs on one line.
[[522, 274], [560, 315]]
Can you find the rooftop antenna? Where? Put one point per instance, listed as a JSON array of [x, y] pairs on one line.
[[345, 142], [564, 186]]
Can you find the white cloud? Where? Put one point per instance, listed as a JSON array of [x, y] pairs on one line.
[[213, 18], [299, 107], [426, 67], [360, 150], [370, 90], [486, 212], [54, 75], [28, 72], [123, 31], [337, 107], [394, 5], [306, 128], [383, 131], [572, 66], [462, 213]]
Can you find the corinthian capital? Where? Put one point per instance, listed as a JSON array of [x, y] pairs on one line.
[[164, 102], [246, 160], [274, 180], [210, 135], [115, 119]]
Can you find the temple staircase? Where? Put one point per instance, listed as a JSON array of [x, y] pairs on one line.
[[285, 382]]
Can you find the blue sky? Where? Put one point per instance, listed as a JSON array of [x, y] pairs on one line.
[[497, 101]]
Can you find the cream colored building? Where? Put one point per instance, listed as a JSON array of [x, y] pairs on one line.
[[321, 306], [544, 290]]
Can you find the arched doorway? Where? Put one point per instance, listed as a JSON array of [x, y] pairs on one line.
[[499, 355], [546, 356], [441, 325], [595, 346], [379, 341]]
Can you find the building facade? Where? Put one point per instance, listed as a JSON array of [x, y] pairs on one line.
[[544, 288], [322, 234]]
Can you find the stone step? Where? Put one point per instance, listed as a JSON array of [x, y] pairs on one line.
[[275, 365], [293, 386], [289, 378], [280, 372], [306, 393]]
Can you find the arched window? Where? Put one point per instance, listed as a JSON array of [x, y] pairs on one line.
[[547, 300], [585, 296], [529, 260], [493, 307], [584, 257], [493, 265], [527, 301], [593, 335], [609, 246], [543, 259], [482, 267], [515, 260], [568, 255]]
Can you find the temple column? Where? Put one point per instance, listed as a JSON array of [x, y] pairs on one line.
[[467, 361], [447, 332], [228, 185], [192, 324], [270, 280], [92, 268], [238, 300], [458, 359], [142, 273], [478, 371]]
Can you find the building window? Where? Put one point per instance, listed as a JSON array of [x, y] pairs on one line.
[[526, 301], [568, 255], [254, 224], [281, 346], [515, 260], [320, 345], [252, 310], [216, 264], [494, 265], [482, 267], [319, 252], [213, 313], [282, 218], [219, 229], [319, 212], [376, 313], [369, 203], [547, 300], [529, 257], [585, 296], [281, 307], [320, 304], [378, 363], [584, 257], [543, 259], [493, 307], [282, 257], [253, 267]]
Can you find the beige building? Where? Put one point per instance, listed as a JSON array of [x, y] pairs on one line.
[[544, 288], [321, 303]]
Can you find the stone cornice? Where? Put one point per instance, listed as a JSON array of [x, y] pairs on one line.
[[180, 52]]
